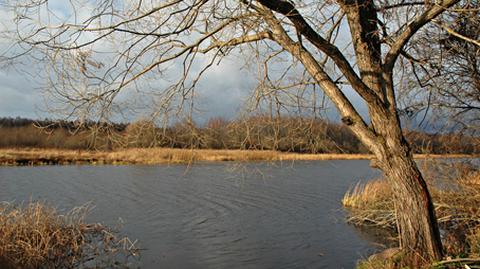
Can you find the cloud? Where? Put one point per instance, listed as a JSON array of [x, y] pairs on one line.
[[19, 97], [225, 89]]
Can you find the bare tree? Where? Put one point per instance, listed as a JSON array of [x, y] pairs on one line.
[[98, 57], [441, 70]]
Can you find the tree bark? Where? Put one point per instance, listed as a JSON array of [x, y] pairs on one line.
[[418, 232], [417, 226]]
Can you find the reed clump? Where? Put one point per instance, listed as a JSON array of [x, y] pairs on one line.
[[371, 204], [35, 235], [457, 208]]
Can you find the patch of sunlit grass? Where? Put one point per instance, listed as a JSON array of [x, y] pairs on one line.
[[372, 193], [155, 156], [371, 204], [35, 156]]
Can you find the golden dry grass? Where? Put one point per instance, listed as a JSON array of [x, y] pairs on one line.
[[457, 208], [366, 195], [155, 156], [37, 236], [372, 203], [35, 156]]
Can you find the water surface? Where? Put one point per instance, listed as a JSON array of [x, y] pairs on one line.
[[216, 215]]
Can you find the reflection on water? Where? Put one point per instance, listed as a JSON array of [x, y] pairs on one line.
[[209, 215]]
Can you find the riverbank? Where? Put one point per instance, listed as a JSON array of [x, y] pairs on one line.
[[36, 156], [458, 214]]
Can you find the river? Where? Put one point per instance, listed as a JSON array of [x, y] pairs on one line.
[[213, 215]]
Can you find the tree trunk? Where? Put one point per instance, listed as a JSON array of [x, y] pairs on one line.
[[418, 232]]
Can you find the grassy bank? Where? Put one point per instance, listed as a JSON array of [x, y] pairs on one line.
[[457, 205], [35, 235], [34, 156]]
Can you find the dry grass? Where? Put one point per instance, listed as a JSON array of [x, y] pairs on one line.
[[37, 236], [371, 203], [34, 156], [154, 156], [457, 209], [375, 262], [372, 194]]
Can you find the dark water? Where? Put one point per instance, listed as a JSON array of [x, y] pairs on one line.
[[218, 215]]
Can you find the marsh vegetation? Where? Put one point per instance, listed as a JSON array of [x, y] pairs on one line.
[[456, 198], [36, 235]]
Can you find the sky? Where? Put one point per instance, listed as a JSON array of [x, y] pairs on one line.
[[19, 96], [222, 92]]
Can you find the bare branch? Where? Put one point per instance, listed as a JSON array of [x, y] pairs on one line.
[[412, 28], [449, 30], [342, 103], [238, 41], [288, 9]]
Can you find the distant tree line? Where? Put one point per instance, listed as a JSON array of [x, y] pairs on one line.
[[56, 124], [259, 132]]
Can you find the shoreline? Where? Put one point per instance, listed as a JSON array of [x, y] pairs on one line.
[[151, 156]]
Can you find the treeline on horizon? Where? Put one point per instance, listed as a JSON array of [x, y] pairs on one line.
[[260, 132]]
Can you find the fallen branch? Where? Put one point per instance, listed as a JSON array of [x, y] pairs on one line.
[[459, 260]]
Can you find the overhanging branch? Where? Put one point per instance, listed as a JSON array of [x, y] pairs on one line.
[[238, 41]]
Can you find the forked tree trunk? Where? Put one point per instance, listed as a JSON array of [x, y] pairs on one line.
[[419, 236], [417, 224]]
